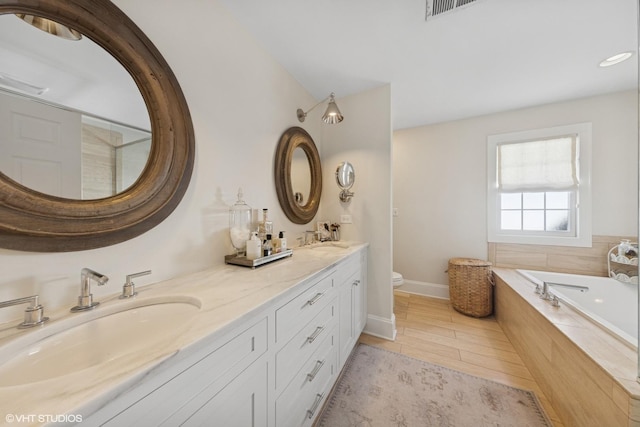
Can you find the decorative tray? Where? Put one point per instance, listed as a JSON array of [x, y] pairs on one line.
[[243, 261]]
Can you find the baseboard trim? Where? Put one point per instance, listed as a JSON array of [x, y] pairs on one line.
[[433, 290], [381, 327]]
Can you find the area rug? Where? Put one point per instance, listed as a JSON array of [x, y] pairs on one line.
[[386, 389]]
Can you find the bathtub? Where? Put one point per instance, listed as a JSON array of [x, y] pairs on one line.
[[577, 356], [611, 304]]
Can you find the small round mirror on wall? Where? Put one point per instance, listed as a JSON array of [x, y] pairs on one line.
[[345, 177]]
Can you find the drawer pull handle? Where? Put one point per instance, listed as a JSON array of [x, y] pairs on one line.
[[356, 282], [315, 334], [314, 408], [316, 298], [312, 374]]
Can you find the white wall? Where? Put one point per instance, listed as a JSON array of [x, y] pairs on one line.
[[440, 179], [241, 101], [364, 139]]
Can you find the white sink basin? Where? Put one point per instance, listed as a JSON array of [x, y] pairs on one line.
[[327, 246], [85, 340]]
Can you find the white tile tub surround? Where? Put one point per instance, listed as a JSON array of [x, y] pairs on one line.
[[588, 375], [228, 294]]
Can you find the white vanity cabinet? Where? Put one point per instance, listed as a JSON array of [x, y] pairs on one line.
[[274, 367], [352, 285]]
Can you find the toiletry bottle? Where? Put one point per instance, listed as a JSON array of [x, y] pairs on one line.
[[254, 247], [265, 227], [277, 246], [283, 241], [268, 247]]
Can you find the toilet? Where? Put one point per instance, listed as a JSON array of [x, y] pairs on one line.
[[397, 279]]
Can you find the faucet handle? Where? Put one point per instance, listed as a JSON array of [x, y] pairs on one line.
[[33, 314], [129, 289]]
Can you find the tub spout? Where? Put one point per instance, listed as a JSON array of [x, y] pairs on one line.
[[544, 293]]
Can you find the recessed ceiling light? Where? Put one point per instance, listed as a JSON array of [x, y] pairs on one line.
[[616, 59]]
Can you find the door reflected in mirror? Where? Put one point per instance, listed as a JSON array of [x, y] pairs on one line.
[[73, 123]]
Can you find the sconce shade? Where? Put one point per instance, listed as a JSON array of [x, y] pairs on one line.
[[331, 116], [51, 27]]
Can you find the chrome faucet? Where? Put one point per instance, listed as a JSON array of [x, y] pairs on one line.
[[129, 288], [307, 233], [33, 314], [85, 300], [544, 294]]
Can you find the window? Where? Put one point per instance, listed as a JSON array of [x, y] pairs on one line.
[[539, 186]]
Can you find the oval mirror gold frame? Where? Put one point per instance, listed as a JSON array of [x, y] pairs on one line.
[[292, 138], [32, 221]]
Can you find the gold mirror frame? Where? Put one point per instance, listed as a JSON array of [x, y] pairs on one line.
[[292, 138], [32, 221]]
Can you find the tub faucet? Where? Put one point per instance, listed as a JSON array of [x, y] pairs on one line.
[[85, 300], [544, 293]]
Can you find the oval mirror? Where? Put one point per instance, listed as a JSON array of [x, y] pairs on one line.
[[345, 175], [298, 173], [32, 220], [83, 129]]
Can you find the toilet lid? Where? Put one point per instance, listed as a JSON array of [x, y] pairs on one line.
[[397, 277]]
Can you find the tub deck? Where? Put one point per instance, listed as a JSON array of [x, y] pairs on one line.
[[588, 375]]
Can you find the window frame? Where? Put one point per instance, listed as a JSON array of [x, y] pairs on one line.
[[580, 210]]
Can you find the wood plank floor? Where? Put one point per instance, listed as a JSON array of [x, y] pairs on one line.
[[430, 329]]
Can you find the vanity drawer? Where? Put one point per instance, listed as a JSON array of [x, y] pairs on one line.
[[302, 308], [347, 268], [305, 394], [296, 352]]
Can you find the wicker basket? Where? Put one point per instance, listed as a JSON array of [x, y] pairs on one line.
[[471, 286]]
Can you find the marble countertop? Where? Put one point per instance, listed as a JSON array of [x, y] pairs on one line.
[[227, 294]]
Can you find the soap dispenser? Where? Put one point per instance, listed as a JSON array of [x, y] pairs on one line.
[[283, 241]]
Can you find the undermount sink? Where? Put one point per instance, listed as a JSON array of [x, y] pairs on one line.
[[103, 335], [329, 246]]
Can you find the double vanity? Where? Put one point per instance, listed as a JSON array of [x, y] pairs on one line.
[[227, 346]]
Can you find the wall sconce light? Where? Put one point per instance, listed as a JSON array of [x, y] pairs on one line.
[[331, 116]]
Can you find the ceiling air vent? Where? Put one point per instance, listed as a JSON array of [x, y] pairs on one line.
[[439, 7]]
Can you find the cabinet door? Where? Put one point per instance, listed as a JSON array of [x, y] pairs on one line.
[[242, 403], [359, 298], [192, 389], [346, 330]]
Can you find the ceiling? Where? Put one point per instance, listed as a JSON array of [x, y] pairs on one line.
[[488, 56]]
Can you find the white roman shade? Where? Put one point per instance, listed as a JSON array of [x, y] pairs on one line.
[[541, 165]]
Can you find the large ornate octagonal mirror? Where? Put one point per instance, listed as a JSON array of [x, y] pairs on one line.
[[34, 219]]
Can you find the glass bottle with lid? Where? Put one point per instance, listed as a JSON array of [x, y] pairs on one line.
[[265, 227], [240, 224]]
